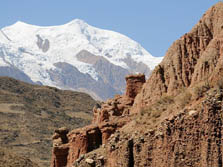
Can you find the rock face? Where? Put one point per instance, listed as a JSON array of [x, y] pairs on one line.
[[175, 117], [82, 141], [119, 105], [134, 85], [15, 73], [196, 56], [67, 149], [190, 138]]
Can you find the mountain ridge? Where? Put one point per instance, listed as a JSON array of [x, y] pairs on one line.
[[34, 50]]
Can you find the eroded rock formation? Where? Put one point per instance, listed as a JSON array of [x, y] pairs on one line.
[[190, 138], [68, 147], [196, 56], [185, 135], [120, 104]]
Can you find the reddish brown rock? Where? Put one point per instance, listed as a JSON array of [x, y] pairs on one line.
[[134, 85], [119, 105], [186, 137], [190, 138], [59, 157], [82, 141], [69, 146], [195, 57], [60, 147]]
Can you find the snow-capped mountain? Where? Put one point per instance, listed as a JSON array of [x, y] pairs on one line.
[[72, 56]]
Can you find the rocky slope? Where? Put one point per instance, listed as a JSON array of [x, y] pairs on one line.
[[60, 56], [30, 113], [195, 57], [174, 119]]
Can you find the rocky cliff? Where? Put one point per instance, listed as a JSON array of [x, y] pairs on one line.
[[189, 138], [173, 119], [68, 147], [195, 57]]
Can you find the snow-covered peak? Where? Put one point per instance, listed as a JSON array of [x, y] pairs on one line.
[[77, 21], [112, 45], [20, 23], [35, 49], [73, 22]]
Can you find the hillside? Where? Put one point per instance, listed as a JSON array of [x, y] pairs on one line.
[[173, 119], [8, 159], [29, 114]]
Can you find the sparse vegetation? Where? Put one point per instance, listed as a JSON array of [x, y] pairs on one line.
[[29, 115], [8, 159], [184, 98], [199, 90], [151, 114], [220, 83]]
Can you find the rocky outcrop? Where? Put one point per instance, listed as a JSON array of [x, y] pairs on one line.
[[119, 105], [43, 45], [82, 141], [190, 138], [134, 85], [195, 57], [68, 147]]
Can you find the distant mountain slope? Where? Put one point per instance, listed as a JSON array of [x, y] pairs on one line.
[[30, 113], [35, 50]]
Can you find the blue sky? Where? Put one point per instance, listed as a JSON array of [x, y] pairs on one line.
[[155, 24]]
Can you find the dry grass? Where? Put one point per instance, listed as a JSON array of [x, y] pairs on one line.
[[151, 115], [29, 115], [183, 99], [199, 90], [220, 83], [8, 159]]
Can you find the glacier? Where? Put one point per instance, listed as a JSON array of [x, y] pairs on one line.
[[35, 49]]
